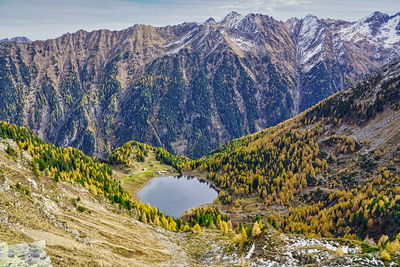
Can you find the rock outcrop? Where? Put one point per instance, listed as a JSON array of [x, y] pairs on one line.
[[32, 254]]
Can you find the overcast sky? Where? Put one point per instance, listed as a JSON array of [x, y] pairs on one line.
[[43, 19]]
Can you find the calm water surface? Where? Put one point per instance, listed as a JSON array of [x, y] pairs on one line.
[[173, 195]]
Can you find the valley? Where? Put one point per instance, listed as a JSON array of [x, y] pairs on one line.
[[82, 229], [247, 141]]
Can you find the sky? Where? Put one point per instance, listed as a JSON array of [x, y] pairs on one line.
[[45, 19]]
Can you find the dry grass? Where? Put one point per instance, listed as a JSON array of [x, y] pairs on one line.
[[105, 236]]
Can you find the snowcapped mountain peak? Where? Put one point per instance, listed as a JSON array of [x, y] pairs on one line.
[[310, 17], [376, 16], [375, 21], [309, 26], [19, 39], [315, 40], [377, 29], [292, 23], [390, 32], [232, 19], [310, 42], [256, 18], [232, 14], [210, 21]]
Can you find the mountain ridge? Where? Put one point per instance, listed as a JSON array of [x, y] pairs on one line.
[[19, 39], [188, 87]]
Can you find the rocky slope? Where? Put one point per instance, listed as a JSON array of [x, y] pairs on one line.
[[188, 87]]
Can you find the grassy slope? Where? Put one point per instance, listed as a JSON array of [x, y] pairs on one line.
[[99, 235], [135, 175]]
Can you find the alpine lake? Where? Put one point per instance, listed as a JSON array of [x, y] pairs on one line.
[[174, 195]]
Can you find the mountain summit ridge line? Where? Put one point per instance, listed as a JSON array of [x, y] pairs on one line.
[[188, 87]]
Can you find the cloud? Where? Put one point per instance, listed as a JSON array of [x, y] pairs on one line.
[[270, 5]]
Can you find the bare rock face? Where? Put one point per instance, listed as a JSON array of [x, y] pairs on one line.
[[188, 87], [32, 254]]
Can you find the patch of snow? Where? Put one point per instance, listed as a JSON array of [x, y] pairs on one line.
[[389, 33], [181, 43], [251, 251], [386, 35], [242, 43], [309, 28], [204, 34], [310, 41], [301, 242], [355, 32], [379, 30], [232, 20], [307, 56], [218, 41], [315, 251], [19, 39], [339, 48]]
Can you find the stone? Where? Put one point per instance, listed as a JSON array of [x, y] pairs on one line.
[[30, 254], [4, 184]]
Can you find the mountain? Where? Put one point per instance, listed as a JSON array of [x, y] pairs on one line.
[[332, 171], [20, 39], [188, 87]]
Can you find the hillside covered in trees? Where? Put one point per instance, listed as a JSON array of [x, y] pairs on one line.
[[331, 171], [70, 164]]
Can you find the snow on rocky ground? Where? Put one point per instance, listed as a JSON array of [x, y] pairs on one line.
[[381, 31], [315, 36], [386, 33], [299, 251]]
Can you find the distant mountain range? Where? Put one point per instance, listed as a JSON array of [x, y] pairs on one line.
[[20, 39], [188, 87]]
